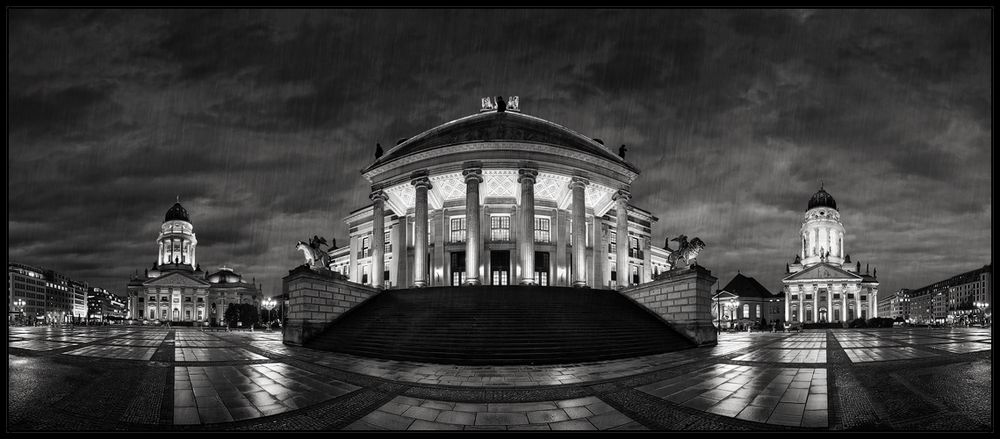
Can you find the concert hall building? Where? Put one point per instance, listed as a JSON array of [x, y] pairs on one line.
[[496, 198]]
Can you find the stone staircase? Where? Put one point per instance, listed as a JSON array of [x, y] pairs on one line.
[[499, 326]]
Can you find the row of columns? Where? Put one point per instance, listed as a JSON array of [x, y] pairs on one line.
[[473, 246], [167, 253], [872, 305]]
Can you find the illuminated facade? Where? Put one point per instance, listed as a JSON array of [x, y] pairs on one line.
[[37, 295], [176, 289], [822, 285], [500, 198]]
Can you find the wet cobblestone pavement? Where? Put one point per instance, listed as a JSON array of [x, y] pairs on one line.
[[145, 379]]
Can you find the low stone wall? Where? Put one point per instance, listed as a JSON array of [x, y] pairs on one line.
[[683, 299], [315, 301]]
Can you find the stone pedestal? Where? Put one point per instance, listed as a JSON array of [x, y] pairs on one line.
[[683, 299], [315, 300]]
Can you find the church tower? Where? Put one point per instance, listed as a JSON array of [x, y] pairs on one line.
[[177, 242], [822, 233]]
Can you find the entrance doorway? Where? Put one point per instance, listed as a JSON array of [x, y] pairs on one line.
[[823, 315], [457, 268], [500, 267], [542, 268]]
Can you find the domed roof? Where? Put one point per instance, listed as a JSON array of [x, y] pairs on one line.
[[822, 199], [177, 213], [225, 275], [497, 126]]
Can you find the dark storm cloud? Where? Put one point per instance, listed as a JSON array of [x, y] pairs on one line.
[[260, 120]]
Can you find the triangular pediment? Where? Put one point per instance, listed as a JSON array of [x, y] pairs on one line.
[[822, 271], [724, 295], [178, 279]]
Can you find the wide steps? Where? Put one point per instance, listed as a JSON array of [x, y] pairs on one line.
[[499, 326]]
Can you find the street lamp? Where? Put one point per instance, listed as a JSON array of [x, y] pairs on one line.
[[269, 304], [981, 306], [19, 305], [732, 306]]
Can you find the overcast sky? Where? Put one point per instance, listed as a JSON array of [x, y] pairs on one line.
[[261, 121]]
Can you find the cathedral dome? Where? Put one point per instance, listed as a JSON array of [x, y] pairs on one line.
[[177, 213], [498, 127], [225, 275], [822, 199]]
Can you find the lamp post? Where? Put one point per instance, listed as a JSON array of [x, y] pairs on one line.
[[269, 304], [982, 306], [19, 305], [732, 306]]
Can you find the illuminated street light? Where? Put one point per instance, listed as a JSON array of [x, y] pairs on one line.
[[269, 304]]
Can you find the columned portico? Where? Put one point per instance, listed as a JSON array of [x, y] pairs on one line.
[[621, 229], [421, 185], [378, 235], [526, 240], [473, 176], [578, 185]]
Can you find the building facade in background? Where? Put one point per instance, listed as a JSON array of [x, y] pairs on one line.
[[499, 198], [104, 305], [744, 299], [176, 289], [955, 299], [822, 285], [895, 305], [37, 295]]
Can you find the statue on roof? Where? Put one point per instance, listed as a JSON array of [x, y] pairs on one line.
[[501, 105], [621, 151], [317, 259], [378, 150], [686, 251]]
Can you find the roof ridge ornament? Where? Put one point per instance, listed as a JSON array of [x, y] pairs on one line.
[[499, 104]]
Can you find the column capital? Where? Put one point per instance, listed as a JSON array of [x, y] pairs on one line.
[[622, 194], [578, 181], [421, 180], [378, 195], [526, 174], [473, 174]]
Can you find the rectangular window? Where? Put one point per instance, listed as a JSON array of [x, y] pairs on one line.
[[388, 244], [500, 228], [757, 309], [457, 229], [613, 243], [542, 231], [746, 311], [633, 248], [366, 247]]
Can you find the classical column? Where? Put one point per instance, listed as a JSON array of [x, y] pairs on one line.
[[788, 303], [378, 238], [843, 305], [577, 185], [473, 177], [815, 313], [421, 185], [873, 303], [526, 242], [802, 305], [857, 304], [160, 261], [829, 303], [621, 228]]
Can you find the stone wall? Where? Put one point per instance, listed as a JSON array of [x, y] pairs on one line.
[[683, 299], [315, 301]]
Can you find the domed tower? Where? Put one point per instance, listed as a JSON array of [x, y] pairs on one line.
[[177, 241], [822, 234]]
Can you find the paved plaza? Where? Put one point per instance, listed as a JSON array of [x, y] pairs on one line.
[[134, 378]]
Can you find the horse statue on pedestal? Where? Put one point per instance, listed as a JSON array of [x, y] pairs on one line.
[[687, 251], [316, 258]]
